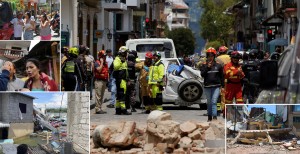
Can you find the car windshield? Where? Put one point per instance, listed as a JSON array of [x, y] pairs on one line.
[[143, 48]]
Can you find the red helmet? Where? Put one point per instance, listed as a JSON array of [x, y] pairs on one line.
[[223, 49], [101, 53], [149, 55], [211, 50], [235, 54]]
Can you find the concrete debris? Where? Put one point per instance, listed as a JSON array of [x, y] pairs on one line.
[[161, 135]]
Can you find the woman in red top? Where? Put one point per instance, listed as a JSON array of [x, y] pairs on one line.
[[38, 81]]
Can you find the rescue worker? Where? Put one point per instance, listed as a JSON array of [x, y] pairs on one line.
[[130, 92], [120, 73], [212, 72], [156, 75], [233, 74], [71, 74], [144, 68], [251, 70], [89, 59], [82, 65], [223, 58], [101, 78]]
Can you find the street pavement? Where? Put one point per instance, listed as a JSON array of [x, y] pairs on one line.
[[178, 114]]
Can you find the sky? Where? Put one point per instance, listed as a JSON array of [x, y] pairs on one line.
[[51, 99], [270, 108]]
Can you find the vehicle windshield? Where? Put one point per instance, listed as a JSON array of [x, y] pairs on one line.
[[143, 48]]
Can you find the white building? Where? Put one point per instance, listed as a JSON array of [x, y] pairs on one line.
[[177, 12]]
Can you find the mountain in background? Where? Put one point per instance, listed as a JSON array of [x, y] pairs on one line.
[[195, 12]]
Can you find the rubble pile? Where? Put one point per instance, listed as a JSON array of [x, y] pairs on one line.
[[161, 135]]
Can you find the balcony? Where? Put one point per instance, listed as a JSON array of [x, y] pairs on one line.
[[133, 3], [12, 54], [114, 5]]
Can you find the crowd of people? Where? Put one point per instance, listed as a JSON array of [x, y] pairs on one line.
[[26, 24], [232, 76], [80, 71]]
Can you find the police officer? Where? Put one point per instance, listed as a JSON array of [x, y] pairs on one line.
[[71, 74], [156, 75], [121, 75], [251, 70]]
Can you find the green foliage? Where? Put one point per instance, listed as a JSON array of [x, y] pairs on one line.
[[215, 44], [18, 6], [183, 39], [215, 25], [57, 110]]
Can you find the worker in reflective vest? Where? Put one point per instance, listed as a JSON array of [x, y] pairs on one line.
[[156, 75], [121, 74]]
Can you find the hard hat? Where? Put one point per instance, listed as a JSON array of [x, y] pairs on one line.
[[235, 54], [74, 51], [101, 53], [123, 49], [157, 53], [149, 55], [223, 49], [211, 50]]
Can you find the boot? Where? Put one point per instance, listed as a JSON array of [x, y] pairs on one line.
[[125, 112], [133, 109], [209, 118], [214, 117], [118, 111]]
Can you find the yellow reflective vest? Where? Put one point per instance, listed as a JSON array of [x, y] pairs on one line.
[[156, 73]]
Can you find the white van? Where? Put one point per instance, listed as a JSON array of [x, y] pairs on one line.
[[184, 88]]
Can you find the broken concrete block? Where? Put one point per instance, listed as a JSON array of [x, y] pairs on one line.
[[101, 135], [179, 151], [203, 125], [148, 146], [185, 142], [218, 128], [196, 134], [196, 149], [209, 134], [156, 115], [129, 127], [161, 147], [187, 127]]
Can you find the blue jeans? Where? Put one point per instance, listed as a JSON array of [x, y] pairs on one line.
[[212, 95], [113, 89]]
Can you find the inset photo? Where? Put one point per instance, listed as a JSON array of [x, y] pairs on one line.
[[262, 129], [30, 66], [44, 122], [30, 20]]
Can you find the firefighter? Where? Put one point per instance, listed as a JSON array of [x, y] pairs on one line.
[[121, 75], [143, 80], [71, 74], [234, 75], [156, 75]]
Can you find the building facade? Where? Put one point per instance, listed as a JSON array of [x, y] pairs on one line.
[[16, 115]]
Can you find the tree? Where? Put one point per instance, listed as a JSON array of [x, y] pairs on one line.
[[215, 25], [183, 39]]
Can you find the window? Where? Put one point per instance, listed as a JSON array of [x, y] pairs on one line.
[[119, 21], [22, 107]]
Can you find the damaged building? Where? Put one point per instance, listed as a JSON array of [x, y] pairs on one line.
[[16, 115]]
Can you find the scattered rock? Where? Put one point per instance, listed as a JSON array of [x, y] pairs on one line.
[[148, 147], [185, 142], [195, 135], [187, 127], [161, 147]]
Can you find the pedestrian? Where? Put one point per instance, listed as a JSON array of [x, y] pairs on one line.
[[38, 81], [71, 74], [233, 75], [45, 31], [212, 72], [101, 78], [89, 72], [112, 81], [143, 78], [82, 66], [28, 27], [276, 55], [18, 23], [4, 76], [14, 83], [121, 75], [156, 75], [266, 55], [131, 92], [186, 60]]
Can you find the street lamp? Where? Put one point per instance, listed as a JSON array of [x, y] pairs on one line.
[[109, 34]]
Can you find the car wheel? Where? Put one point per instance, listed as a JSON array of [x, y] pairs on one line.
[[190, 90]]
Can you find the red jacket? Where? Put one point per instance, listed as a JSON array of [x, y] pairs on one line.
[[104, 72], [47, 83], [231, 73]]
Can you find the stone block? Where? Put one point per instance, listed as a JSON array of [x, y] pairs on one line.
[[148, 147], [161, 147], [187, 127], [203, 125], [195, 135]]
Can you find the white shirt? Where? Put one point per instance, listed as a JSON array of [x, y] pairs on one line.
[[17, 27], [109, 60]]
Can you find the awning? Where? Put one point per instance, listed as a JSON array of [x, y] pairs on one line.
[[4, 125], [279, 42], [273, 20]]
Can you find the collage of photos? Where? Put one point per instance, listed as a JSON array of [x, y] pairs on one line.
[[149, 77]]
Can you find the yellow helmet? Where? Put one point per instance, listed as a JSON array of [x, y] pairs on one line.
[[74, 51], [123, 49]]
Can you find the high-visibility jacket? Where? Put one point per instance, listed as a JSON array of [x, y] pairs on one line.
[[231, 75], [120, 69], [156, 73]]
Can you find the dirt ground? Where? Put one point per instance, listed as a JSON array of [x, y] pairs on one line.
[[256, 149]]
